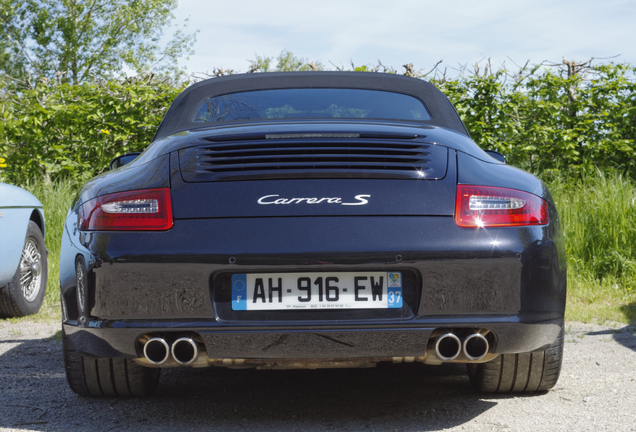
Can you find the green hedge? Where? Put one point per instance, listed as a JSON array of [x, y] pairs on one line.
[[540, 118], [73, 131]]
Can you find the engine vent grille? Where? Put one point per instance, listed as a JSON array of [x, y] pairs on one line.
[[313, 158]]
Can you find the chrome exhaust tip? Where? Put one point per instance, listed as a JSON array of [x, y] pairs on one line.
[[185, 351], [156, 351], [448, 347], [476, 346]]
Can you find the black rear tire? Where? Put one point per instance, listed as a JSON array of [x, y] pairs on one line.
[[19, 301], [525, 372], [89, 376]]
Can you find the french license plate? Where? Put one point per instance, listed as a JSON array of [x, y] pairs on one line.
[[338, 290]]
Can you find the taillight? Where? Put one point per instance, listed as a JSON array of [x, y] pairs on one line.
[[485, 206], [141, 210]]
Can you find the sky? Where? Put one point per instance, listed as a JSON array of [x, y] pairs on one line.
[[458, 32]]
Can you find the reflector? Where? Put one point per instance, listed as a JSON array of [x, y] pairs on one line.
[[485, 206]]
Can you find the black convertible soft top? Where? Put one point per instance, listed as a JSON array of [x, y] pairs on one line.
[[182, 111]]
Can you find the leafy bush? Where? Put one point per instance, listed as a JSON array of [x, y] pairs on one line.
[[61, 131], [542, 118]]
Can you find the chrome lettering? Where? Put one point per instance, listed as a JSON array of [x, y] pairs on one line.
[[260, 200], [361, 200], [269, 199]]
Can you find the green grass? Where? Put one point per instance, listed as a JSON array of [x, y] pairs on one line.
[[598, 215], [593, 300]]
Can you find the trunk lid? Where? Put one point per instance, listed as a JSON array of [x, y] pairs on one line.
[[313, 174]]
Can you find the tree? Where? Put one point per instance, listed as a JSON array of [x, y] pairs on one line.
[[286, 62], [72, 40]]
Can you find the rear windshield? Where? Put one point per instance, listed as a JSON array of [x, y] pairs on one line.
[[311, 103]]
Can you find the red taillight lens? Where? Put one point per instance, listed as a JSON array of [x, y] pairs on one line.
[[141, 210], [484, 206]]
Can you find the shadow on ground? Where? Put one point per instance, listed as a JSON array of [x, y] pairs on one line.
[[629, 310], [35, 396], [625, 336]]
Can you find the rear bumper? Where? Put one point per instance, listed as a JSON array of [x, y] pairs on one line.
[[510, 281], [168, 275], [122, 339]]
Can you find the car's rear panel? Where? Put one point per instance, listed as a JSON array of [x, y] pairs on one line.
[[320, 205], [446, 284]]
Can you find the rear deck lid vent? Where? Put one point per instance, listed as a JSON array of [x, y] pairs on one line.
[[281, 156]]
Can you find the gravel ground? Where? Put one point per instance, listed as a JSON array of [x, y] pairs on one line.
[[597, 391]]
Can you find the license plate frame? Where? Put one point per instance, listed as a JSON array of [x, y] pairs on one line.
[[317, 291]]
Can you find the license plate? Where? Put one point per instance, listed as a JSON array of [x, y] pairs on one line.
[[338, 290]]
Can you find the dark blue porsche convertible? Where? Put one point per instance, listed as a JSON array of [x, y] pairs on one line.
[[309, 220]]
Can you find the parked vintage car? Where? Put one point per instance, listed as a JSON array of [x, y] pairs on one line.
[[309, 220], [23, 254]]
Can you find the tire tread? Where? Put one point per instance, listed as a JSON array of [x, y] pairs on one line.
[[107, 376], [524, 372], [8, 306]]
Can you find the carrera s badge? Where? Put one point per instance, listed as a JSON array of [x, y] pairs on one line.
[[273, 199]]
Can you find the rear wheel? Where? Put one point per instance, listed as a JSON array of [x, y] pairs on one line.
[[24, 293], [89, 376], [525, 372]]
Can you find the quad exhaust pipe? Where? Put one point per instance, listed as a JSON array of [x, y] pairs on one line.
[[449, 346], [476, 346], [184, 351], [156, 350]]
